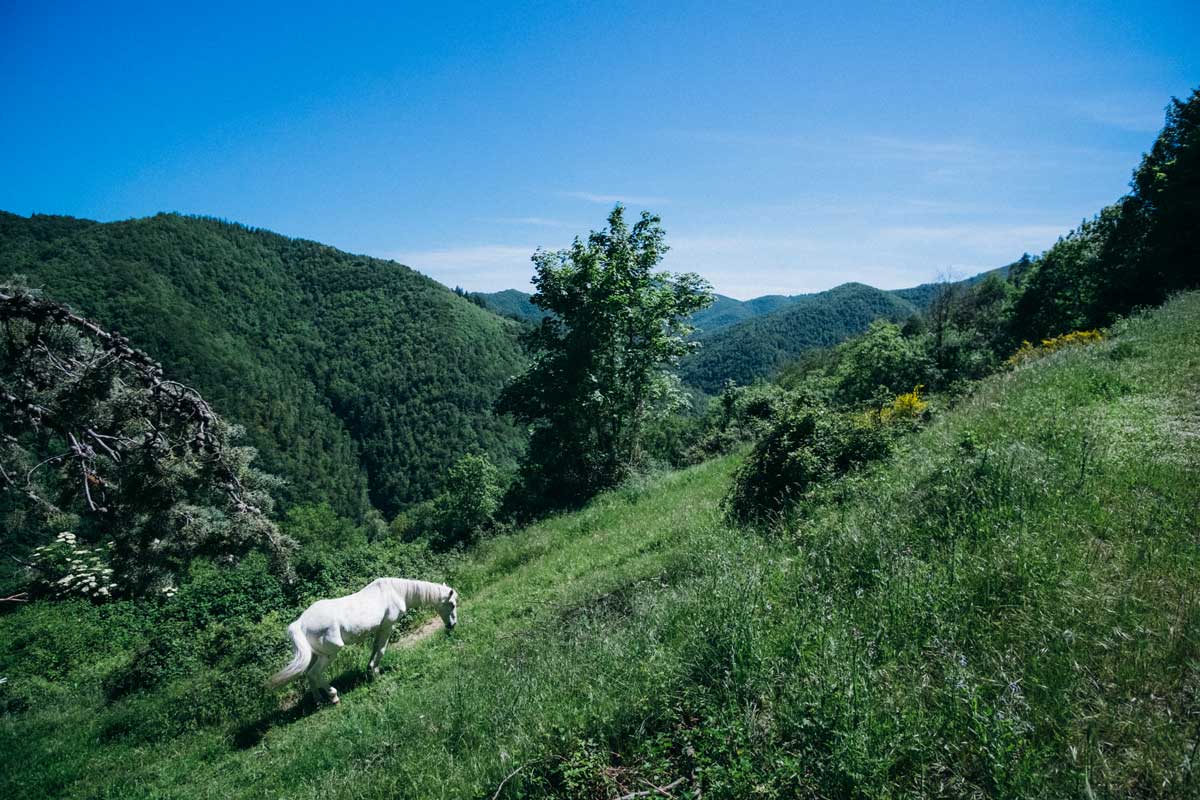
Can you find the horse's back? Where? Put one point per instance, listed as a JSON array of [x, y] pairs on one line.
[[342, 620]]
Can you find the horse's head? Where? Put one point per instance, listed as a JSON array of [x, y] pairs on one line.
[[448, 608]]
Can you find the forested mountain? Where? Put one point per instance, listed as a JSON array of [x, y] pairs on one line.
[[511, 303], [756, 347], [357, 379]]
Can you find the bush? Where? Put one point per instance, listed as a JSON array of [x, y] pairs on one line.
[[806, 445], [468, 502], [217, 593], [881, 357], [1028, 351]]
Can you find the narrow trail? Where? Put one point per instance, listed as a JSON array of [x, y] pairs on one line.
[[420, 634]]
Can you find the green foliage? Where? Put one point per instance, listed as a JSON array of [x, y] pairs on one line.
[[66, 567], [93, 436], [880, 362], [1003, 608], [356, 379], [599, 360], [968, 329], [806, 445], [1132, 253], [469, 500], [320, 531], [1063, 289]]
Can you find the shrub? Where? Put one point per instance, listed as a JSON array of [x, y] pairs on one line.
[[348, 570], [881, 357], [217, 593], [907, 407], [806, 445], [1028, 351], [468, 502]]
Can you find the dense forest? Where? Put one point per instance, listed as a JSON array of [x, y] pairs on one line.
[[357, 379]]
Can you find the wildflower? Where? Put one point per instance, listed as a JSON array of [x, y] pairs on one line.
[[1028, 351]]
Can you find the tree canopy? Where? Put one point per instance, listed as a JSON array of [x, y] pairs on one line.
[[600, 357], [95, 438]]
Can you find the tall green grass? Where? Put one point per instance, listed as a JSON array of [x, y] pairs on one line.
[[1008, 607]]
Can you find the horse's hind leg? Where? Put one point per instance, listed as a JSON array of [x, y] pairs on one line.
[[309, 675], [317, 679]]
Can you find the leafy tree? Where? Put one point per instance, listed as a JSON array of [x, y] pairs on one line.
[[1062, 289], [1157, 244], [1133, 253], [94, 437], [469, 500], [600, 358], [880, 362]]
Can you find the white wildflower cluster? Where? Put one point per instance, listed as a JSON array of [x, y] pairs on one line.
[[70, 568]]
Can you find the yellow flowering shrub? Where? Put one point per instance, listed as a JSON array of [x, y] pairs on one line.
[[1028, 350], [906, 406]]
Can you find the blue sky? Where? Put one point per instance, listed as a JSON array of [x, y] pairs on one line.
[[788, 148]]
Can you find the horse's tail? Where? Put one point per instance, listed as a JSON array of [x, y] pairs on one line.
[[299, 661]]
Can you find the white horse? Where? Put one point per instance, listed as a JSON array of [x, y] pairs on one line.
[[329, 625]]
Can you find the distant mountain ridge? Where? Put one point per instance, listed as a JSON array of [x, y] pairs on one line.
[[724, 311], [356, 378], [744, 340]]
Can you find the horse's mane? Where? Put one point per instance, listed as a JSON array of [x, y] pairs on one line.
[[424, 592]]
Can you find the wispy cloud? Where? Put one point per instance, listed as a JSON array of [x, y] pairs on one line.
[[485, 267], [986, 237], [1127, 114], [609, 199], [746, 263], [540, 222], [921, 149]]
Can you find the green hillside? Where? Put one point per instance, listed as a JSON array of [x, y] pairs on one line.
[[512, 303], [1006, 607], [757, 347], [355, 378]]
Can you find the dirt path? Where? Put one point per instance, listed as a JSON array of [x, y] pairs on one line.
[[420, 634]]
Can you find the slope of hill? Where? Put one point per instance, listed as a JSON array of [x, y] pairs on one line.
[[757, 347], [1006, 608], [354, 377], [512, 303]]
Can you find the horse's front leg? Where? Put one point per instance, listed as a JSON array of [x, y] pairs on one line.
[[381, 642]]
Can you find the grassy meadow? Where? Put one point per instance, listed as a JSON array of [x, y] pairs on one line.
[[1008, 607]]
